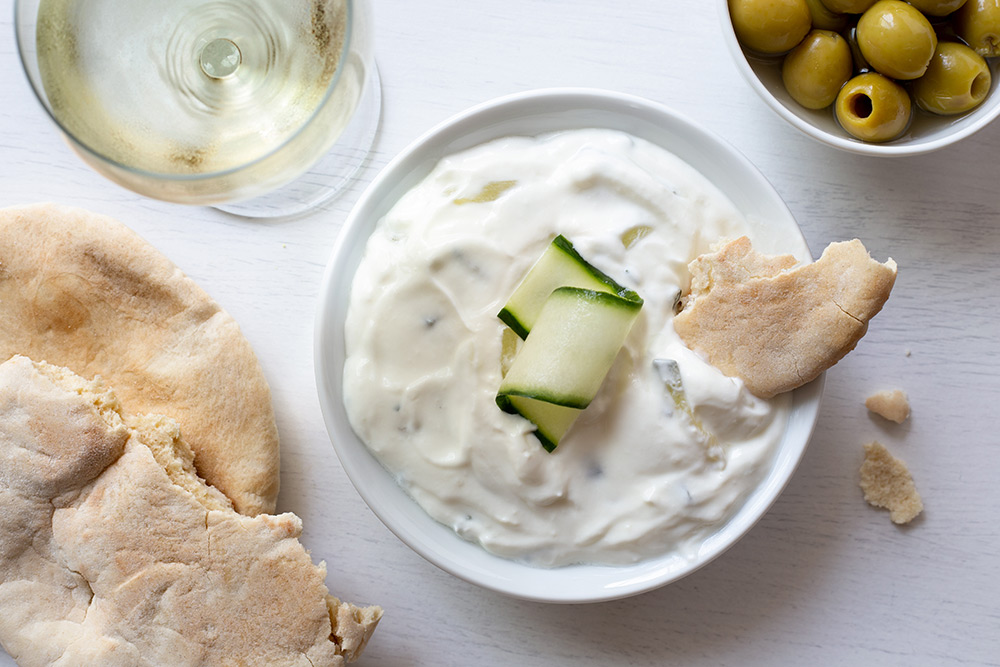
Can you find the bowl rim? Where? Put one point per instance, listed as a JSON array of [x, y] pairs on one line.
[[465, 560], [845, 142]]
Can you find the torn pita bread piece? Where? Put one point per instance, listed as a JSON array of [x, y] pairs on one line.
[[887, 483], [113, 552], [891, 404], [776, 325], [83, 291]]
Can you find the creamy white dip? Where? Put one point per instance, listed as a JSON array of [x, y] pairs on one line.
[[637, 475]]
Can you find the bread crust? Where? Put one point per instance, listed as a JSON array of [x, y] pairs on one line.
[[105, 560], [776, 327], [83, 291]]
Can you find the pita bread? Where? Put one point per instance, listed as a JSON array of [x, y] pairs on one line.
[[104, 560], [83, 291], [887, 483], [776, 327]]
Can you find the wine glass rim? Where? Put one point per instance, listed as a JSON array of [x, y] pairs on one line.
[[184, 178]]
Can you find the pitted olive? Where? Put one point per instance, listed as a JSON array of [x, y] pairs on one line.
[[873, 108], [957, 80]]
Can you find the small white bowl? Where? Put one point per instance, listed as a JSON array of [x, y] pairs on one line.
[[926, 133], [530, 114]]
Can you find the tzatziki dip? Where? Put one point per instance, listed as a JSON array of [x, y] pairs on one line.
[[668, 450]]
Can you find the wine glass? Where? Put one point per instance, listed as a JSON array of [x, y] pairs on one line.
[[263, 108]]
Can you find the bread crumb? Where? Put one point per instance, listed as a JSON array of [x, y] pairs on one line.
[[892, 404], [887, 483]]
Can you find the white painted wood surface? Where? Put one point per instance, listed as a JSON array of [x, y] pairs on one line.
[[823, 579]]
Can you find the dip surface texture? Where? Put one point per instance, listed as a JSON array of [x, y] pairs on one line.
[[653, 466]]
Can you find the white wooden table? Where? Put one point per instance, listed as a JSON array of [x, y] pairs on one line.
[[823, 578]]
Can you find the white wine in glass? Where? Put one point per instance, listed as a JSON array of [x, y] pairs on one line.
[[209, 101]]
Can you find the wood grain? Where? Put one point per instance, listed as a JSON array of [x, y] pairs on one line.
[[823, 579]]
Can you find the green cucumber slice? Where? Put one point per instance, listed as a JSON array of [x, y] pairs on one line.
[[551, 421], [559, 266], [564, 361]]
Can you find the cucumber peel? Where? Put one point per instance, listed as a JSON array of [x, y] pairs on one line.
[[563, 362], [551, 421], [571, 349], [559, 266]]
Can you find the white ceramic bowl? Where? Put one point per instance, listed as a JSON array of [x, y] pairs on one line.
[[926, 133], [535, 113]]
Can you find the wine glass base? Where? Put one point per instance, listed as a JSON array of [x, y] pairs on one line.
[[331, 174]]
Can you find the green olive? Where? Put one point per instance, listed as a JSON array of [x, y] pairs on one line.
[[770, 26], [824, 19], [896, 39], [978, 23], [872, 107], [814, 71], [937, 7], [957, 80], [848, 6]]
